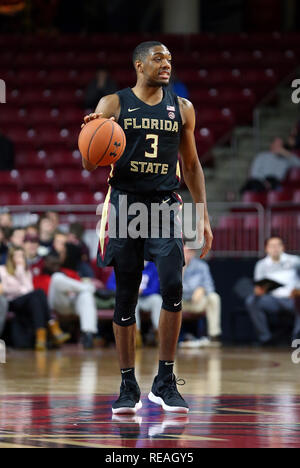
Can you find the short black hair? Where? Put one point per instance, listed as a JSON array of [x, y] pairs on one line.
[[142, 50], [273, 237]]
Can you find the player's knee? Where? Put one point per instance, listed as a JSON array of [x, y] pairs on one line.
[[126, 300], [171, 293], [124, 314]]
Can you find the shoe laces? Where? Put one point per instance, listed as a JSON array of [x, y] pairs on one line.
[[170, 388]]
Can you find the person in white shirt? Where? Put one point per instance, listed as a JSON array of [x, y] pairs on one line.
[[284, 269]]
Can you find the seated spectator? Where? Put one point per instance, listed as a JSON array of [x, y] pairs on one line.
[[32, 230], [101, 85], [199, 295], [69, 254], [75, 237], [3, 309], [54, 218], [149, 299], [282, 268], [46, 234], [68, 295], [6, 220], [30, 307], [33, 259], [17, 237], [7, 152], [270, 168]]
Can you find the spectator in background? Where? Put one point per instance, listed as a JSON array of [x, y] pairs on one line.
[[149, 299], [54, 218], [69, 254], [7, 152], [199, 295], [67, 295], [31, 247], [269, 168], [46, 234], [30, 306], [5, 234], [101, 85], [177, 86], [32, 230], [75, 237], [282, 268], [17, 237], [6, 220]]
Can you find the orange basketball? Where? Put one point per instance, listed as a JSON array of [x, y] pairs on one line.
[[102, 142]]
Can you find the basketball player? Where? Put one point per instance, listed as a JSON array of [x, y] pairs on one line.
[[158, 125]]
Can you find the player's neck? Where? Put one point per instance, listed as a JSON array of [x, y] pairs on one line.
[[149, 94]]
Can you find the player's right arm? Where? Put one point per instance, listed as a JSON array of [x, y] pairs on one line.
[[109, 108]]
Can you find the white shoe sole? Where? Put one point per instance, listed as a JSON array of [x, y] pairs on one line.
[[171, 409], [126, 410]]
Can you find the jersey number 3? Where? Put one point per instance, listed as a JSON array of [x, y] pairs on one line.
[[154, 145]]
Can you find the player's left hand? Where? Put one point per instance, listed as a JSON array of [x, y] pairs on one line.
[[208, 238]]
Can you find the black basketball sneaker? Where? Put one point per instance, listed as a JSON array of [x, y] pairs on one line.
[[129, 401], [164, 393]]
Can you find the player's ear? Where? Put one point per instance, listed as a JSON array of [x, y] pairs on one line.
[[139, 66]]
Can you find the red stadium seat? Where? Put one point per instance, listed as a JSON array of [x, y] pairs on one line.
[[73, 179], [293, 178], [64, 159], [296, 196], [37, 179], [38, 198], [279, 196], [9, 198], [255, 197], [99, 178], [9, 180], [31, 160], [220, 122], [204, 141]]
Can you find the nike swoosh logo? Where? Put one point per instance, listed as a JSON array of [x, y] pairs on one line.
[[169, 363], [124, 320], [125, 371], [176, 305], [166, 201], [132, 110]]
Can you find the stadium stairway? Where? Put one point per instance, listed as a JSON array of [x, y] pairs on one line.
[[232, 163]]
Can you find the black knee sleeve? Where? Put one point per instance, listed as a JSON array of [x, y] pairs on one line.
[[171, 292], [126, 297]]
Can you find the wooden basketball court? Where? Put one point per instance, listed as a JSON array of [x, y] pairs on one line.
[[239, 397]]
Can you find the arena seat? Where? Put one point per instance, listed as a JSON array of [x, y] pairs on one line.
[[9, 198], [277, 196], [37, 179], [31, 159], [296, 196], [293, 178], [10, 180], [255, 197], [73, 179], [219, 121]]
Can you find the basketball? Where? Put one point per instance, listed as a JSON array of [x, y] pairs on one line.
[[102, 142]]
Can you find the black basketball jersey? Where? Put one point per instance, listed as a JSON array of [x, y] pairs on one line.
[[150, 161]]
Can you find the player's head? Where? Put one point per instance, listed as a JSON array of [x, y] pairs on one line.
[[152, 62], [274, 247]]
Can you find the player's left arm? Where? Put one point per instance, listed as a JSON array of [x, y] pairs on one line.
[[192, 170]]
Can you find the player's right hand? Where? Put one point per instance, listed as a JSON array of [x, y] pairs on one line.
[[90, 117]]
